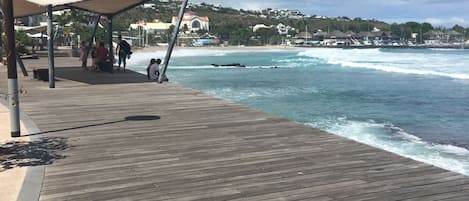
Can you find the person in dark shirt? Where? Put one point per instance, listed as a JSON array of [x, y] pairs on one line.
[[123, 50]]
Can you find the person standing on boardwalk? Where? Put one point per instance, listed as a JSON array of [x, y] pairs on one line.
[[94, 58], [123, 49], [83, 56], [155, 70]]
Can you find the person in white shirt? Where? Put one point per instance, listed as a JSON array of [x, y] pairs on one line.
[[155, 70], [152, 61]]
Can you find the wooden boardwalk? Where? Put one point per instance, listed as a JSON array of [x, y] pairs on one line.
[[116, 137]]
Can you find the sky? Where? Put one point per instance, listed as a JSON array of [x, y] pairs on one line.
[[437, 12]]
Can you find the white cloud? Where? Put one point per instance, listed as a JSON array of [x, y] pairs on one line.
[[446, 21]]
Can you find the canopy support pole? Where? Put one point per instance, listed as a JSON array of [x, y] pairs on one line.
[[93, 35], [111, 52], [20, 62], [172, 42], [50, 48], [13, 97]]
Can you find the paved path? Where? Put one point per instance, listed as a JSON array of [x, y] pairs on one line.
[[136, 140]]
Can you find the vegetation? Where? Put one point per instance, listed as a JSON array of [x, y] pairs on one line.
[[232, 25]]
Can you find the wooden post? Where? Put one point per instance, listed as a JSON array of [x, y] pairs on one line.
[[13, 98]]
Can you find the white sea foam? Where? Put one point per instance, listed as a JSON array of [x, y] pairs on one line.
[[249, 93], [396, 140], [395, 69], [142, 57], [446, 49], [426, 64]]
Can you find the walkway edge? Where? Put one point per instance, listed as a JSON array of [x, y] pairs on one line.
[[32, 184]]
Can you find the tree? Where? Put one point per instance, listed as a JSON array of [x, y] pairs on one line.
[[459, 29], [241, 37], [266, 35], [22, 40], [72, 24]]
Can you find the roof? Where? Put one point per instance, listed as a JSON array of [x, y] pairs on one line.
[[453, 33], [23, 8], [365, 34], [338, 34], [320, 33], [152, 26], [304, 35], [350, 33], [433, 33], [189, 16]]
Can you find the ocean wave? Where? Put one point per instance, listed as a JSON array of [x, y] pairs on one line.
[[446, 49], [252, 93], [141, 57], [394, 69], [226, 67], [404, 63], [388, 137]]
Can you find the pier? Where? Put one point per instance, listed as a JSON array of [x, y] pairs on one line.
[[102, 136]]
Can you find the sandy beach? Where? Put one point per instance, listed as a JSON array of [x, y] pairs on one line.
[[236, 48]]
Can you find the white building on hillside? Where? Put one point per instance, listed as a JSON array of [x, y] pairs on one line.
[[281, 28], [155, 27], [260, 26], [192, 22]]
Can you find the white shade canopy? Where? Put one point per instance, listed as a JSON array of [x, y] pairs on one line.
[[22, 8], [38, 35]]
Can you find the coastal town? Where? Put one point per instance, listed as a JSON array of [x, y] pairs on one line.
[[201, 26]]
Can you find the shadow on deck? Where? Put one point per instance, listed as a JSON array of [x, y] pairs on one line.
[[34, 153], [91, 77]]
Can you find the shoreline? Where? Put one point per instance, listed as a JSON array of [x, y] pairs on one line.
[[246, 48], [270, 47]]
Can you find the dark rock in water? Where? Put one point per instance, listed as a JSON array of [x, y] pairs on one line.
[[233, 64]]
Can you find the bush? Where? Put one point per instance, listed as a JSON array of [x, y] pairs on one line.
[[22, 40]]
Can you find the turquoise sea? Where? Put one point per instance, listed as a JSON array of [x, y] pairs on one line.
[[413, 102]]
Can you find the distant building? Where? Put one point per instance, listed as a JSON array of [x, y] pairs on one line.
[[438, 37], [155, 27], [283, 29], [260, 26], [192, 23]]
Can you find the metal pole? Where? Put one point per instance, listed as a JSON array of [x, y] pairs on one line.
[[50, 48], [2, 47], [13, 98], [173, 41], [20, 62], [146, 37], [111, 52]]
